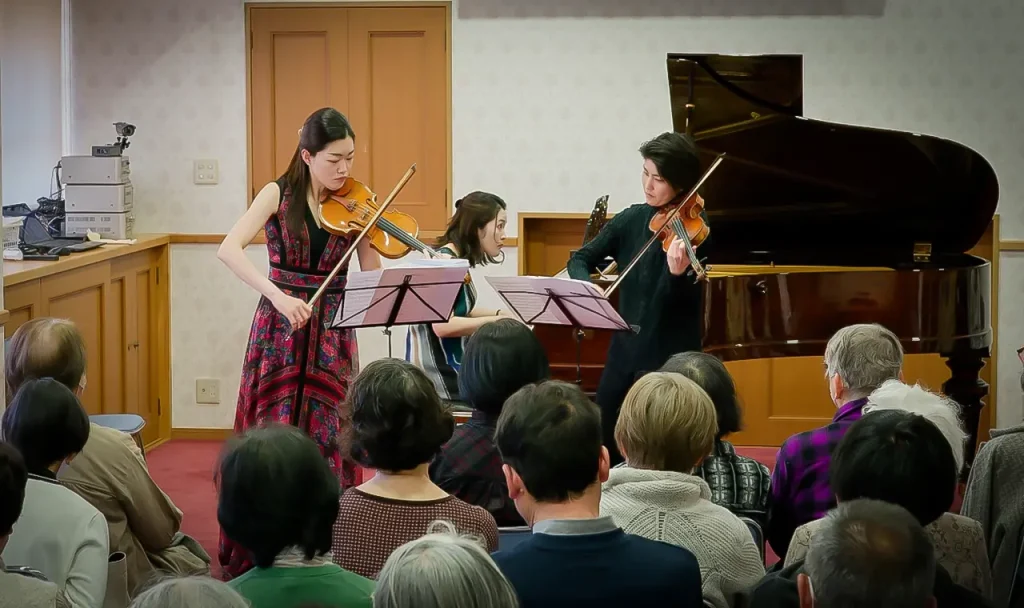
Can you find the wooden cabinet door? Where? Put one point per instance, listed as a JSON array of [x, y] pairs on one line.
[[23, 302], [134, 300], [398, 103], [81, 295], [145, 344], [298, 64]]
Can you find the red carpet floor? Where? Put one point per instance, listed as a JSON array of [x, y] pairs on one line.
[[185, 469]]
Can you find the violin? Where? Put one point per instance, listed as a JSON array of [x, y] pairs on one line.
[[678, 219], [364, 223], [683, 221], [349, 209]]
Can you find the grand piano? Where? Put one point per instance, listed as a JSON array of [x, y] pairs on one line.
[[817, 225]]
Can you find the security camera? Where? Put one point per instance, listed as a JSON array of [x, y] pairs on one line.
[[124, 129]]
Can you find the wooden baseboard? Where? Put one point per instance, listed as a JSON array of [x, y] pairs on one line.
[[202, 434], [156, 444]]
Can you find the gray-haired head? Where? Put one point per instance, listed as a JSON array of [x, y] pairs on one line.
[[442, 570], [941, 411], [871, 553], [863, 356], [191, 591]]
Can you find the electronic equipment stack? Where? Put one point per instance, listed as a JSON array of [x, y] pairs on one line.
[[98, 193]]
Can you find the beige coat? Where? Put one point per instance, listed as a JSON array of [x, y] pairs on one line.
[[144, 524], [959, 548]]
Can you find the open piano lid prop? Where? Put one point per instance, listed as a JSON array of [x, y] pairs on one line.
[[794, 190]]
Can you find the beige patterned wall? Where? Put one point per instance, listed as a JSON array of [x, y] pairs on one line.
[[546, 112]]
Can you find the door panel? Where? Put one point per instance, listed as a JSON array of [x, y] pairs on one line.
[[399, 106], [299, 63]]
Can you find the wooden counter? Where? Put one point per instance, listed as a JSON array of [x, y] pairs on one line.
[[118, 296]]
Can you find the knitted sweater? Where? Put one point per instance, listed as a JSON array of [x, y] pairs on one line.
[[676, 508]]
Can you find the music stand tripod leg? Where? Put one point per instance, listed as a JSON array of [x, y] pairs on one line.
[[393, 316], [577, 330], [579, 356]]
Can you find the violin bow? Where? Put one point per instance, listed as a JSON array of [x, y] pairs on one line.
[[362, 233], [674, 213]]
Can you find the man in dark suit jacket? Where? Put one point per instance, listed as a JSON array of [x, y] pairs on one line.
[[549, 437]]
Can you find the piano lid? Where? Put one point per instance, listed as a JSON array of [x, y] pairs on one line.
[[794, 190]]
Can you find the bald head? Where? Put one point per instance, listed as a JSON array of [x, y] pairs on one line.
[[869, 553], [45, 347]]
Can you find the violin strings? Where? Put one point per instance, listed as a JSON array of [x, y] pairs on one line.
[[680, 230], [404, 237], [401, 235]]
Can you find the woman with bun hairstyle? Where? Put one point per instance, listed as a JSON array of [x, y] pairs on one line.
[[475, 233]]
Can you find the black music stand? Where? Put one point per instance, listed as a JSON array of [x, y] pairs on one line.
[[401, 295], [558, 301]]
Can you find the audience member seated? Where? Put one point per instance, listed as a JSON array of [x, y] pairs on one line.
[[995, 498], [911, 463], [500, 358], [941, 411], [858, 359], [737, 483], [190, 592], [398, 425], [59, 533], [279, 500], [902, 459], [442, 570], [19, 590], [550, 440], [866, 554], [666, 426], [110, 472]]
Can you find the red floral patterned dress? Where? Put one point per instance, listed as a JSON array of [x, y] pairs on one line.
[[298, 378]]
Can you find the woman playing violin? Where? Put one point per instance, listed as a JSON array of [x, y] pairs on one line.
[[295, 371], [475, 233], [657, 297]]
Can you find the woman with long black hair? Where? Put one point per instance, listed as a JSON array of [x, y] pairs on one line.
[[295, 370]]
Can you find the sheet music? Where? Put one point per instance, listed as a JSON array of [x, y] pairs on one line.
[[532, 298], [433, 263], [370, 296]]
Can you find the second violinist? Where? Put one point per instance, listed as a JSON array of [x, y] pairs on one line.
[[658, 297]]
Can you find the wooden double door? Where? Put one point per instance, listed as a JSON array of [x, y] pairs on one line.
[[385, 68]]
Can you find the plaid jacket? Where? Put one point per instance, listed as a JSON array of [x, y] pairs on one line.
[[737, 483], [469, 467], [800, 490]]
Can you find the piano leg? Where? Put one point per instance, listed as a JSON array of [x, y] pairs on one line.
[[966, 387]]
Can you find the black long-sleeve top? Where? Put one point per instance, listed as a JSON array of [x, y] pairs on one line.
[[665, 308]]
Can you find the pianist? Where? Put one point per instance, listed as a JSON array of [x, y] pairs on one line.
[[657, 297]]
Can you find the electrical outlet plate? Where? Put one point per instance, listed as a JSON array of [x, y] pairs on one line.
[[208, 390], [205, 171]]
